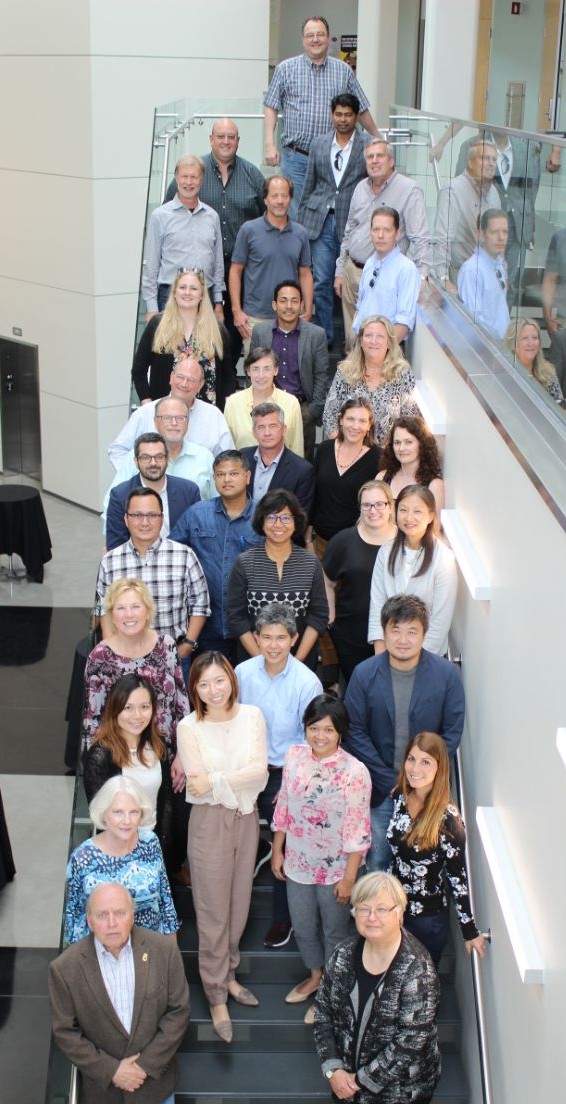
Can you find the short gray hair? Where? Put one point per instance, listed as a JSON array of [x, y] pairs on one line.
[[263, 410], [371, 885], [190, 159], [380, 142], [277, 613], [102, 801], [110, 885]]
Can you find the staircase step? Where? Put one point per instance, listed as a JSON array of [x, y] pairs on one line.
[[228, 1076]]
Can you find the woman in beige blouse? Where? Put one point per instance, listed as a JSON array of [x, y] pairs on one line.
[[223, 750]]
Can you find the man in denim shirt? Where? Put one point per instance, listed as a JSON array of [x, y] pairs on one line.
[[217, 531]]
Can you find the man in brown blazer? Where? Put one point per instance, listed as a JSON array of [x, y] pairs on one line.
[[120, 1005]]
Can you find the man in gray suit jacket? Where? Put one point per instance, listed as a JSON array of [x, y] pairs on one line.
[[120, 1004], [336, 164], [302, 353]]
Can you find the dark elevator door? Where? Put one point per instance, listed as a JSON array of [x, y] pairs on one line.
[[19, 390]]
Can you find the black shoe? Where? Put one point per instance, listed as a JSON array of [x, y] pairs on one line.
[[264, 850], [279, 934]]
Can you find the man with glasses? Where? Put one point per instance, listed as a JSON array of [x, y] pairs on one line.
[[336, 164], [171, 572], [391, 282], [273, 465], [384, 186], [205, 426], [302, 89], [483, 280], [151, 455], [186, 459], [391, 698], [185, 231]]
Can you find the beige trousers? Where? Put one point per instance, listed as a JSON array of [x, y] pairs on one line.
[[350, 284], [222, 854]]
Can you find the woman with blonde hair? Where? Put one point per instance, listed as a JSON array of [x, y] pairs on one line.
[[187, 327], [523, 339], [375, 370], [428, 840]]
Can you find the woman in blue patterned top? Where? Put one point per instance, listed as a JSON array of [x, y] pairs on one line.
[[122, 851], [428, 840]]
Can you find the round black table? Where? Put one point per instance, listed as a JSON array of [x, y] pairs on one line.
[[23, 528]]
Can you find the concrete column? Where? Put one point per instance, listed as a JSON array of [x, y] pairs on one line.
[[377, 54], [449, 62]]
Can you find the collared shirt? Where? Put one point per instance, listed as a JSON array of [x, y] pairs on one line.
[[217, 539], [482, 287], [282, 699], [269, 255], [286, 346], [207, 427], [238, 201], [396, 288], [407, 198], [456, 230], [193, 462], [505, 164], [342, 160], [303, 91], [324, 808], [118, 975], [264, 474], [172, 574], [178, 236]]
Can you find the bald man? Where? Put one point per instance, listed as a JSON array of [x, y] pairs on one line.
[[120, 1004]]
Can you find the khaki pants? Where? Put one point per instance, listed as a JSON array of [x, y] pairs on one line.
[[350, 284], [252, 320], [222, 855]]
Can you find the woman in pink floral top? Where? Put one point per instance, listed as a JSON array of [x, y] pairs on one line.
[[322, 832]]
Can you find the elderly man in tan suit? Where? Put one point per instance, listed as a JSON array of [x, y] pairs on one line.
[[120, 1004]]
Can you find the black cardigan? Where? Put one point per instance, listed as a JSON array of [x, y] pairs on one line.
[[160, 366]]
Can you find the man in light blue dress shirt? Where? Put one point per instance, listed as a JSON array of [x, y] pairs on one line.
[[282, 687], [391, 282], [483, 279]]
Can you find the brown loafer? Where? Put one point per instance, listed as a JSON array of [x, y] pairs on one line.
[[244, 996], [296, 996], [223, 1029]]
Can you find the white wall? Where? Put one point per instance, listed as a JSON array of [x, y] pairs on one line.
[[513, 670], [449, 59], [516, 55], [81, 80]]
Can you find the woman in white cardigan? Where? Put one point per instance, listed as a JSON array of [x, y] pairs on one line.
[[416, 561]]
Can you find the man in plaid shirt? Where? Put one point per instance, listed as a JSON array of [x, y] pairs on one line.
[[171, 572]]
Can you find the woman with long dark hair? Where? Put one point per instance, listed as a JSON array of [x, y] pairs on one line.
[[409, 456], [416, 561], [428, 840]]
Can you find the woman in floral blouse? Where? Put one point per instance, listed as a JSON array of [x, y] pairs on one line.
[[322, 832], [428, 840]]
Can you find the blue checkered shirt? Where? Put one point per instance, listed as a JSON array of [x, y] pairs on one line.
[[303, 91], [118, 975]]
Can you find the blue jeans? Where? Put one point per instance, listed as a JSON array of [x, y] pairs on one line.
[[379, 855], [294, 166], [432, 931], [325, 250]]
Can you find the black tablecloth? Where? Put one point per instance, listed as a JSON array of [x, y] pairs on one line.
[[7, 868], [23, 528]]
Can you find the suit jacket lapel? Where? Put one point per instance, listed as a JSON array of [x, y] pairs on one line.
[[141, 967], [353, 159], [95, 980]]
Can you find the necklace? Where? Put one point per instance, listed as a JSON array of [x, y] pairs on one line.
[[348, 463]]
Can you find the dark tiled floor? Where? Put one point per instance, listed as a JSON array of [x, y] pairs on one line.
[[25, 1025], [37, 647]]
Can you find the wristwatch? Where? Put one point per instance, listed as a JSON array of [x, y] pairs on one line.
[[329, 1074], [182, 639]]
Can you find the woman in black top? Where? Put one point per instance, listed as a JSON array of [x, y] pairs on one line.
[[348, 565], [375, 1012], [278, 571]]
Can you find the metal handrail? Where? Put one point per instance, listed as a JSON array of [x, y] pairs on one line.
[[476, 977]]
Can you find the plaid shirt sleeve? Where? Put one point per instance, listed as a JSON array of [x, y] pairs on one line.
[[196, 595]]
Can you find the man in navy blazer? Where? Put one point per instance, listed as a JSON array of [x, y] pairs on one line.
[[272, 464], [151, 456], [390, 699], [336, 164]]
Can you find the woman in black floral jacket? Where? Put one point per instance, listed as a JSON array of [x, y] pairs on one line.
[[427, 837], [375, 1013]]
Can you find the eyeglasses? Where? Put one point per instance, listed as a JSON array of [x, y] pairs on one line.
[[364, 911], [313, 37], [367, 506], [282, 519], [144, 517], [374, 275], [193, 271], [172, 419], [146, 457], [338, 161]]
